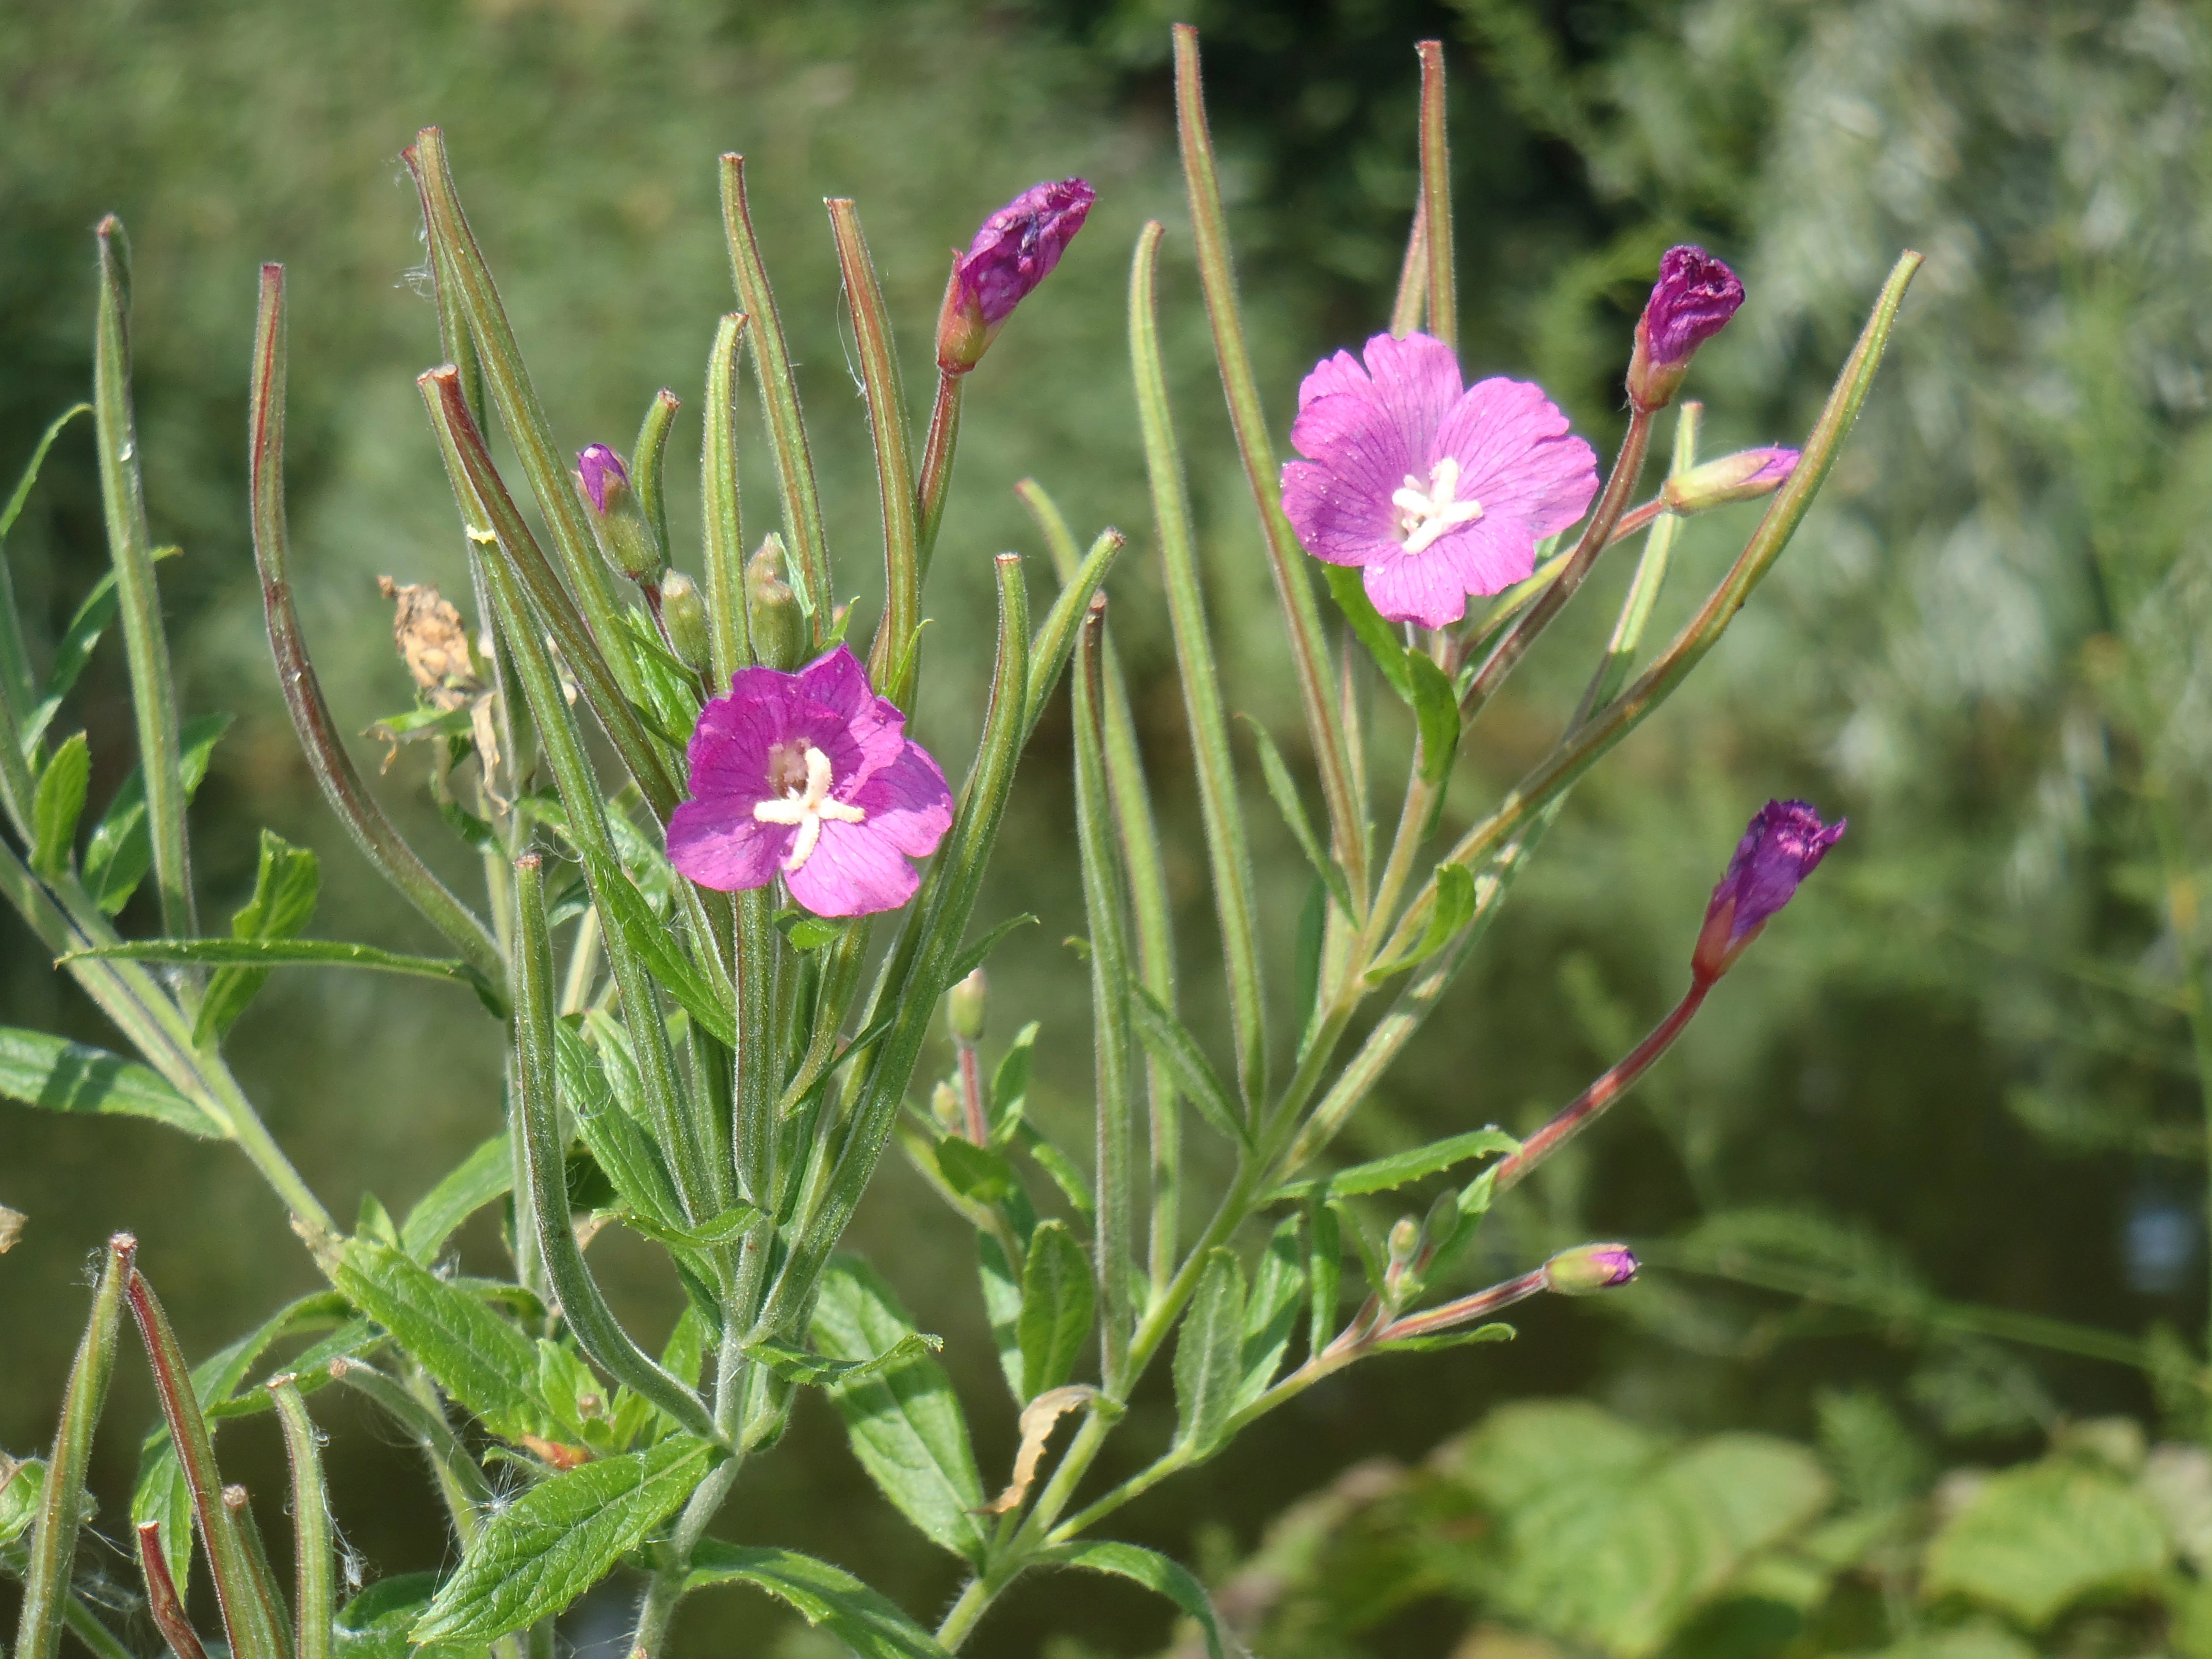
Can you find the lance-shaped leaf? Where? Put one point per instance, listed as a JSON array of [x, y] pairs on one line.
[[321, 737], [1058, 1301], [63, 1505], [861, 1619], [285, 887], [120, 849], [1228, 856], [59, 1076], [1055, 637], [797, 1365], [476, 1357], [1451, 908], [904, 1422], [15, 688], [1158, 1574], [1270, 1313], [74, 650], [485, 1175], [1436, 709], [1382, 642], [145, 641], [1209, 1354], [1386, 1175], [1170, 1042], [1284, 790], [1287, 559], [545, 1151], [1002, 1306], [556, 1540], [56, 805], [794, 465], [259, 955]]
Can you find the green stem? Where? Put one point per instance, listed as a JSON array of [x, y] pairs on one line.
[[1436, 198]]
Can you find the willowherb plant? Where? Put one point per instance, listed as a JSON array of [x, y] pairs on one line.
[[764, 892]]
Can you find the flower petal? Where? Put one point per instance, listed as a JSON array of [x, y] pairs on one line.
[[854, 870], [725, 849], [1340, 517], [908, 802], [878, 728], [1488, 556], [1424, 588], [1516, 456]]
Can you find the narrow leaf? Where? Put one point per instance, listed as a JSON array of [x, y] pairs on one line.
[[1436, 707], [56, 805], [261, 954], [14, 666], [121, 851], [1170, 1042], [1278, 1297], [1055, 637], [1452, 909], [1348, 588], [860, 1618], [1208, 1355], [796, 1366], [484, 1176], [59, 1076], [1058, 1301], [285, 887], [1283, 789], [476, 1357], [1002, 1306], [1385, 1175], [556, 1540], [1158, 1574]]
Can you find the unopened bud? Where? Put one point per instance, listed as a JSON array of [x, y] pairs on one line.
[[1404, 1240], [1785, 842], [1692, 301], [618, 520], [945, 1107], [1743, 476], [1014, 251], [1589, 1268], [683, 614], [965, 1006], [779, 630]]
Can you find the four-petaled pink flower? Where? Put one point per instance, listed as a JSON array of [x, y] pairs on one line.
[[1436, 492], [1785, 842], [811, 776]]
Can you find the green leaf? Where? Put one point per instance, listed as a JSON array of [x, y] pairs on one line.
[[904, 1423], [975, 1172], [1058, 1301], [19, 1498], [70, 655], [556, 1540], [57, 804], [15, 669], [1349, 589], [476, 1357], [1058, 1165], [284, 892], [808, 932], [725, 1227], [262, 954], [484, 1174], [1271, 1315], [861, 1619], [2032, 1541], [1471, 1337], [1002, 1306], [1209, 1353], [796, 1366], [1385, 1175], [1324, 1274], [1453, 910], [590, 1083], [973, 958], [375, 1623], [1284, 791], [1169, 1041], [1010, 1084], [1156, 1573], [120, 852], [59, 1076], [1436, 709]]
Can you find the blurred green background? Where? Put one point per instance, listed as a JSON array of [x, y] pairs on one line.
[[1965, 1051]]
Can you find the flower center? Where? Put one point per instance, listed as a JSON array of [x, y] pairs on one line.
[[799, 774], [1424, 515]]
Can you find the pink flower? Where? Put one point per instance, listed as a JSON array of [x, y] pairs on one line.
[[1785, 842], [1437, 493], [810, 776]]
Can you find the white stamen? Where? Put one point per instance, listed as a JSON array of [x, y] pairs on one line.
[[807, 808], [1424, 515]]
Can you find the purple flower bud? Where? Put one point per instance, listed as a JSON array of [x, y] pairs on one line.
[[1016, 249], [1589, 1267], [599, 467], [1785, 842], [1691, 301], [1745, 475]]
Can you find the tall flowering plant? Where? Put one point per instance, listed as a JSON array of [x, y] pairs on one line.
[[717, 944]]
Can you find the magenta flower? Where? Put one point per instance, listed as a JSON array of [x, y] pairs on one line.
[[1437, 492], [810, 776], [1016, 249], [1589, 1267], [598, 466], [1692, 301], [1785, 842]]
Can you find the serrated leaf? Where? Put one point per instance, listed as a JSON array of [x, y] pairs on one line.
[[56, 805], [796, 1366], [863, 1620], [980, 1173], [1474, 1336], [476, 1357], [1435, 710], [1170, 1042], [484, 1176], [724, 1227], [1324, 1275], [1271, 1312], [1349, 589], [1282, 789], [375, 1623], [904, 1424], [558, 1539], [1002, 1307], [1385, 1175], [591, 1086], [1453, 909], [1010, 1084], [1058, 1301], [2033, 1542], [285, 887], [59, 1076], [120, 852], [1208, 1352], [1158, 1574]]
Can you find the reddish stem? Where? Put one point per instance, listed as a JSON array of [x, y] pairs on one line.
[[1585, 1106], [935, 482], [1465, 1311], [971, 1094], [162, 1601]]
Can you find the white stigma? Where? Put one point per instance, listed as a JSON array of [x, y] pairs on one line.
[[1424, 515], [807, 807]]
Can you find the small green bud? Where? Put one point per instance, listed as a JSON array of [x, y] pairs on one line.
[[1589, 1268], [683, 614], [945, 1107], [779, 630], [965, 1006], [617, 519]]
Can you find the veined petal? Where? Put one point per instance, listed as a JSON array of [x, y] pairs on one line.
[[1517, 458], [908, 802], [723, 850], [854, 870], [1423, 588]]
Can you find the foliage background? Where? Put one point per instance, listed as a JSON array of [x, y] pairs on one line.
[[1928, 1048]]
